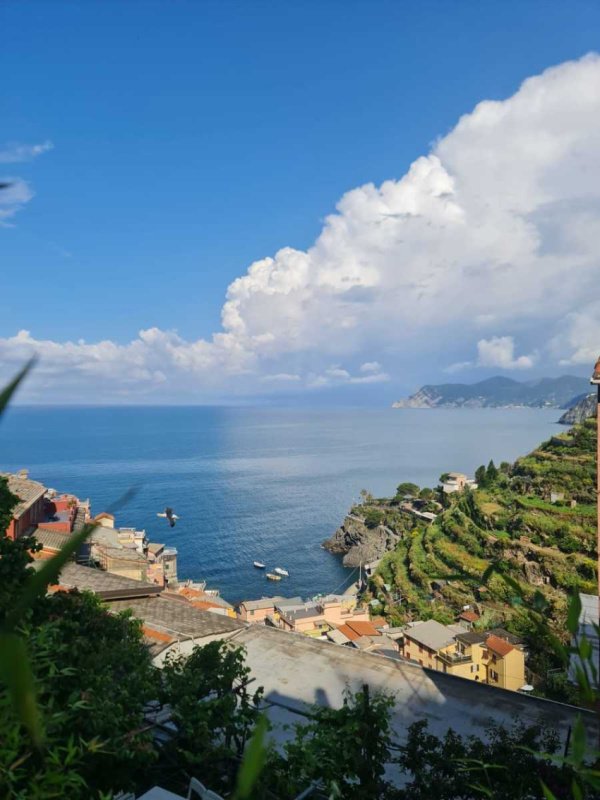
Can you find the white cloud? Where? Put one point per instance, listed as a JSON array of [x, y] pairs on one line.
[[282, 377], [500, 352], [14, 153], [17, 191], [370, 366], [337, 376], [12, 198], [495, 229]]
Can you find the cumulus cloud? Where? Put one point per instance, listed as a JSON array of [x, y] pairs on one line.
[[497, 352], [495, 229]]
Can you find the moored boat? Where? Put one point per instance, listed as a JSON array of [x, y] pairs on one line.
[[282, 571], [258, 564], [272, 577]]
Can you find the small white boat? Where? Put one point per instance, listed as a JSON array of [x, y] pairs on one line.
[[259, 564], [272, 577], [282, 571]]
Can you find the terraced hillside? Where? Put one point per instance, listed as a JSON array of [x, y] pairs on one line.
[[535, 520]]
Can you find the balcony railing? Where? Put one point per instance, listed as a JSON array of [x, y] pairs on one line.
[[455, 658]]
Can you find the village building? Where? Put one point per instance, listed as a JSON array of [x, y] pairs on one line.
[[169, 623], [31, 508], [456, 482], [494, 657], [320, 616]]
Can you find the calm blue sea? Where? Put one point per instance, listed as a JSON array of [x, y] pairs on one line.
[[268, 484]]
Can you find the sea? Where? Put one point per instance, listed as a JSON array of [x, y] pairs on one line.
[[265, 484]]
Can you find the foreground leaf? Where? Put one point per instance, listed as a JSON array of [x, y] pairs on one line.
[[9, 390], [15, 672], [253, 761]]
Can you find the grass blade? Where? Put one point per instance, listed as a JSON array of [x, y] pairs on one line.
[[15, 672], [253, 761], [9, 390]]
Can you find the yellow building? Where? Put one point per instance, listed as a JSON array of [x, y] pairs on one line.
[[486, 657]]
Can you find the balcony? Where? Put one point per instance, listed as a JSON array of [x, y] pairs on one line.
[[452, 659]]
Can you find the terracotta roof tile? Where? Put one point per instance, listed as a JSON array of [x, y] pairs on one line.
[[379, 622], [469, 616], [364, 628], [348, 632], [498, 646]]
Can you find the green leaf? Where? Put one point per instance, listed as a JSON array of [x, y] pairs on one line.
[[585, 649], [547, 793], [578, 741], [576, 790], [253, 761], [9, 390], [573, 613], [15, 673]]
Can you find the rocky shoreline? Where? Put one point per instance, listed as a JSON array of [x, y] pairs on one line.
[[359, 544]]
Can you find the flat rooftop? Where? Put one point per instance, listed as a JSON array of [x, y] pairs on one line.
[[297, 671]]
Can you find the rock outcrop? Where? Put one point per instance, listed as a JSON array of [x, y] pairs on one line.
[[360, 544], [586, 407]]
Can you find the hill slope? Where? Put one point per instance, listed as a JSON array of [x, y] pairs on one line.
[[535, 520], [499, 392]]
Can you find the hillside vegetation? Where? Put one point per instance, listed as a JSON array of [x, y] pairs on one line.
[[544, 548]]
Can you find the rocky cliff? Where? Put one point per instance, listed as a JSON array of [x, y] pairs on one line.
[[586, 407], [359, 543]]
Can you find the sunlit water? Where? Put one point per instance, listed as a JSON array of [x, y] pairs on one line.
[[267, 484]]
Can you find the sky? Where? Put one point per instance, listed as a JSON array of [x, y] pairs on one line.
[[330, 202]]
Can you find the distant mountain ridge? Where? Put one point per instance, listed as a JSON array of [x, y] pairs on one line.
[[499, 392]]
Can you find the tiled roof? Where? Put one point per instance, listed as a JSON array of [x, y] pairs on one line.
[[50, 539], [104, 584], [348, 632], [288, 602], [363, 628], [155, 547], [469, 616], [308, 612], [379, 622], [431, 634], [122, 554], [337, 636], [26, 490], [363, 643], [502, 633], [498, 646], [178, 619], [257, 605]]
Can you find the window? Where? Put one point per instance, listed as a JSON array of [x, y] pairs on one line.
[[420, 649], [251, 612], [421, 661]]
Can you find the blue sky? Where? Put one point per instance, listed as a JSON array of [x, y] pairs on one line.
[[192, 139]]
